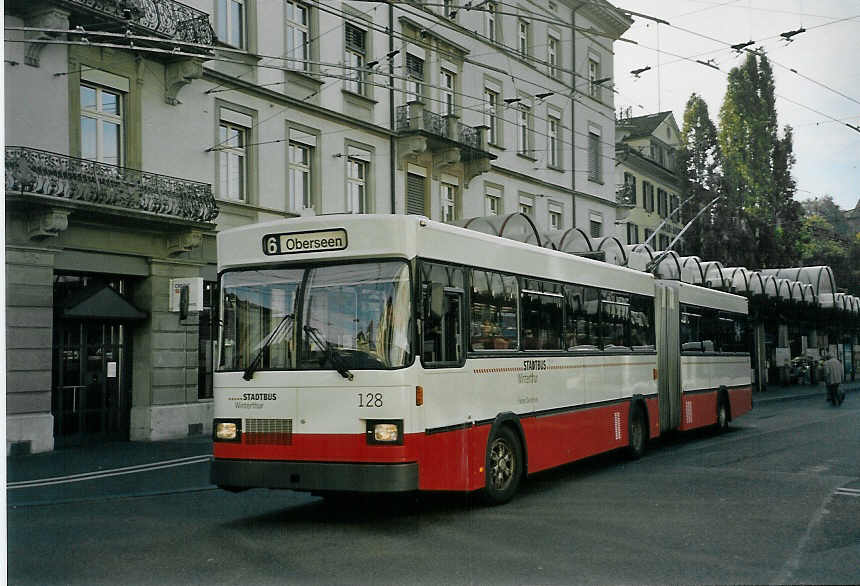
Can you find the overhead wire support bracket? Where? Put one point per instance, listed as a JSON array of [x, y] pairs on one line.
[[788, 35]]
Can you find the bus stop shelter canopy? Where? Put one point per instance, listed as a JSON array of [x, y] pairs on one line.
[[813, 286]]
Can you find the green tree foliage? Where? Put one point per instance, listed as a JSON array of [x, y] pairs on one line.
[[821, 244], [756, 170], [826, 208], [699, 166]]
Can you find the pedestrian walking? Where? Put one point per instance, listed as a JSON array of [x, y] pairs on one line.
[[832, 378]]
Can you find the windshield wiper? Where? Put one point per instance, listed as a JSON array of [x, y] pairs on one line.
[[255, 363], [331, 352]]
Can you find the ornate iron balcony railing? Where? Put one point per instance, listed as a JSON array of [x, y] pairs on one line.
[[46, 173], [165, 18], [410, 117], [625, 195]]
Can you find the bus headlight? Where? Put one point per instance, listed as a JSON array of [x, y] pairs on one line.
[[385, 432], [228, 430]]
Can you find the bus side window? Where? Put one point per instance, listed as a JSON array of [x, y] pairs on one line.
[[641, 323], [494, 322], [442, 334], [582, 319]]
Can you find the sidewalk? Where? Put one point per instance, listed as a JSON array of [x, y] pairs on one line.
[[113, 456], [776, 393], [96, 457]]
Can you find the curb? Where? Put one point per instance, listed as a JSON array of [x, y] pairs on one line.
[[762, 398]]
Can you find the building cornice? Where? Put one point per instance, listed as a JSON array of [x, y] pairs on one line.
[[632, 158], [253, 88], [606, 16]]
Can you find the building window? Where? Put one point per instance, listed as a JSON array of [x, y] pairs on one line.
[[356, 186], [658, 153], [552, 56], [555, 217], [630, 188], [527, 205], [491, 118], [524, 39], [356, 51], [492, 204], [664, 242], [491, 22], [449, 9], [449, 202], [595, 227], [233, 161], [300, 176], [524, 131], [554, 155], [674, 205], [448, 79], [415, 75], [593, 77], [595, 168], [632, 234], [231, 22], [298, 35], [662, 203], [647, 196], [647, 235], [101, 125]]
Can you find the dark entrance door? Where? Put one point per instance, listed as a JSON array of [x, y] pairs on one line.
[[91, 398]]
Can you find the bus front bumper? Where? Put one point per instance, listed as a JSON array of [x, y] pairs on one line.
[[312, 476]]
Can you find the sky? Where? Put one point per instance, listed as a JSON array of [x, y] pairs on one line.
[[828, 53]]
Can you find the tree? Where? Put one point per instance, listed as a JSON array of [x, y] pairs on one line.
[[756, 165], [826, 208], [821, 242], [699, 169]]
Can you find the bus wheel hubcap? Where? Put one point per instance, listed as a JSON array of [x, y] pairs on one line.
[[501, 464]]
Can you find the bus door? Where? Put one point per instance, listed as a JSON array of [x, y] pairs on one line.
[[668, 356], [443, 334]]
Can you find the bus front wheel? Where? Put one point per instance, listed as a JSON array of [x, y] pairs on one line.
[[504, 466]]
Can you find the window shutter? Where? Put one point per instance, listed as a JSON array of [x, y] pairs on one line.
[[415, 194], [354, 38], [414, 66]]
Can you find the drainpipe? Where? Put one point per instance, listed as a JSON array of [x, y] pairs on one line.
[[391, 107]]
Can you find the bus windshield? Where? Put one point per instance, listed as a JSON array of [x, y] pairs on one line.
[[353, 316]]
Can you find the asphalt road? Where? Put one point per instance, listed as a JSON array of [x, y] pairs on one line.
[[774, 500]]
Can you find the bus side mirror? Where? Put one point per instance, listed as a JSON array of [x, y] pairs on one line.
[[437, 300]]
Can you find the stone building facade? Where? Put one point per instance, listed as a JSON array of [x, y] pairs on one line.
[[137, 130]]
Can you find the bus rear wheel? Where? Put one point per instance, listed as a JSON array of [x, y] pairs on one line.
[[504, 466], [722, 414], [638, 434]]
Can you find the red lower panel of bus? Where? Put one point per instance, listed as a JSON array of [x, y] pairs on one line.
[[455, 459], [700, 409], [740, 401]]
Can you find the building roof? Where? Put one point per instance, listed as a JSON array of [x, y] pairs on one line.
[[641, 126]]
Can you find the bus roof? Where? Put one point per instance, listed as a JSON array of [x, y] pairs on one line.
[[705, 297], [366, 236]]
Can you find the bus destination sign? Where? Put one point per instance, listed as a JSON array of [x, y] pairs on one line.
[[299, 242]]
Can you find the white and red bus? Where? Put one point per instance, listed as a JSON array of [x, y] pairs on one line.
[[393, 353]]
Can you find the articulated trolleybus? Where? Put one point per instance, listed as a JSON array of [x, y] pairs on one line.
[[364, 353]]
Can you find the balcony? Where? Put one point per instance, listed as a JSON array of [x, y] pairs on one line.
[[625, 197], [161, 18], [69, 183], [444, 137]]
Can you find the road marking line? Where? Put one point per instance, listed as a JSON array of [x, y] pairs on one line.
[[847, 491], [108, 473]]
